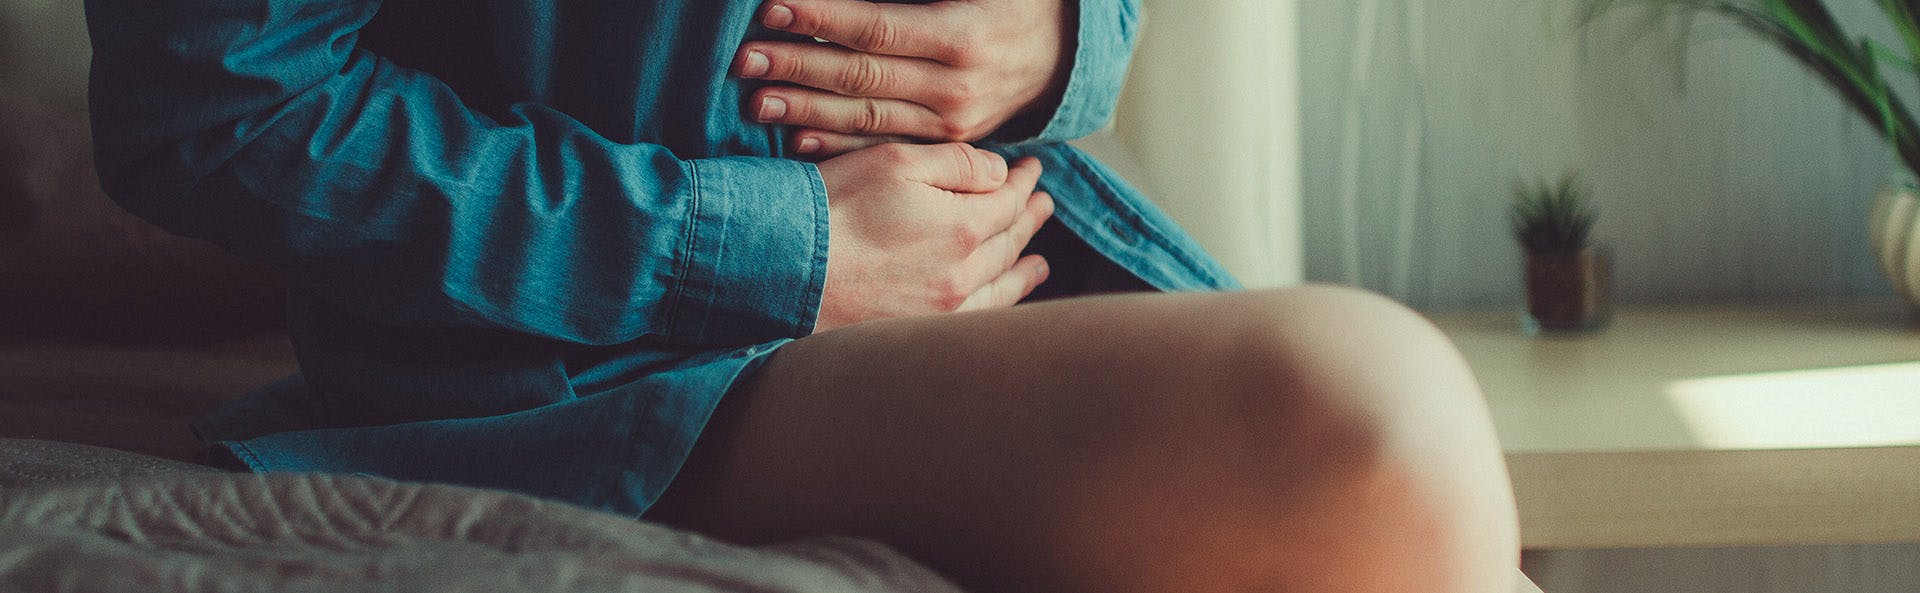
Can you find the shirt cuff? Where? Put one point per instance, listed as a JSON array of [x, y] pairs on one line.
[[1103, 48], [755, 260]]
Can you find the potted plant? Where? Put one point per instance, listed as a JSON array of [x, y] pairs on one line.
[[1855, 68], [1566, 277]]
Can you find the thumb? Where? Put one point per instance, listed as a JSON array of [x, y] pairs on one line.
[[954, 166]]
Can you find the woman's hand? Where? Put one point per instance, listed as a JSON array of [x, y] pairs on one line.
[[954, 70], [920, 229]]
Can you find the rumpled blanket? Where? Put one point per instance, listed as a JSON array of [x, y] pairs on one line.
[[85, 519]]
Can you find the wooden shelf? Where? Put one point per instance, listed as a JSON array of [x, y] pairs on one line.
[[1708, 424]]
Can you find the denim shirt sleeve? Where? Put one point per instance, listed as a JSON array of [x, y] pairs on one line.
[[256, 124], [1103, 47]]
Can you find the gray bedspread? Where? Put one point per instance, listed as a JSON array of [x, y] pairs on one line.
[[79, 518]]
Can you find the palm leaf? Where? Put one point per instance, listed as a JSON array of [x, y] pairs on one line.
[[1902, 14], [1810, 34]]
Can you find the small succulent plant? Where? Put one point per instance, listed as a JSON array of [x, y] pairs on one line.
[[1552, 218]]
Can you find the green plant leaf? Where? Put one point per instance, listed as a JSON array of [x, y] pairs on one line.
[[1807, 31], [1901, 13]]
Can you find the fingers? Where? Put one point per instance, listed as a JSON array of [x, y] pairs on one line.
[[1020, 181], [960, 168], [837, 69], [892, 29], [997, 253], [994, 213], [865, 116], [822, 144], [1009, 288]]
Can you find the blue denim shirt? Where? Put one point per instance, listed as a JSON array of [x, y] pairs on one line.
[[531, 243]]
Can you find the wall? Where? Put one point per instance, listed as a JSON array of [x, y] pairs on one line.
[[1206, 126], [1417, 116], [1733, 173], [43, 51], [1734, 177]]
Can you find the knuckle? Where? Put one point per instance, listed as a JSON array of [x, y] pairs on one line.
[[961, 92], [965, 156], [864, 76], [961, 126], [985, 169], [969, 237], [949, 291], [800, 108], [966, 48], [950, 303], [953, 129], [895, 154], [810, 20], [878, 34], [871, 118]]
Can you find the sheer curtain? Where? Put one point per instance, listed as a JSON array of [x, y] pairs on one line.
[[1734, 177], [1419, 115]]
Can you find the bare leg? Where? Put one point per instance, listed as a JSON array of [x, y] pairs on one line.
[[1310, 440]]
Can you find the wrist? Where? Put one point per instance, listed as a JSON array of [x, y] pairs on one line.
[[1032, 118]]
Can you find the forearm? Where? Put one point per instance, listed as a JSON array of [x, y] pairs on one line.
[[258, 125]]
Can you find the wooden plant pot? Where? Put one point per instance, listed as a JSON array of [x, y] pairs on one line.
[[1568, 292]]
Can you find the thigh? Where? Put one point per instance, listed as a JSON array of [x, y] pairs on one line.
[[1006, 447], [897, 426]]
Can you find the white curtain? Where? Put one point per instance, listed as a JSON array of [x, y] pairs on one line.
[[1735, 177], [1418, 116]]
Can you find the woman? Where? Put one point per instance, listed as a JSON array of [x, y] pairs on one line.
[[533, 244]]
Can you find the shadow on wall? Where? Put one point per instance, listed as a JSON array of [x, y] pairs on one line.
[[44, 51], [72, 263]]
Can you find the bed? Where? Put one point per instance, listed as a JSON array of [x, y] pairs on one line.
[[82, 518]]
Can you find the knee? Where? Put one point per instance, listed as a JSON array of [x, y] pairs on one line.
[[1375, 416], [1346, 361], [1366, 370], [1307, 439], [1315, 366], [1310, 377]]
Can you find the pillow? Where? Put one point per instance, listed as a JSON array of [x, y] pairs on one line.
[[73, 264]]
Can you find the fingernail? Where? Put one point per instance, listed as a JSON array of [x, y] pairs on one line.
[[756, 64], [779, 17], [807, 145], [772, 108], [1041, 268], [999, 170]]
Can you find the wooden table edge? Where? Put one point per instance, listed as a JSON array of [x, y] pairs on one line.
[[1607, 499]]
